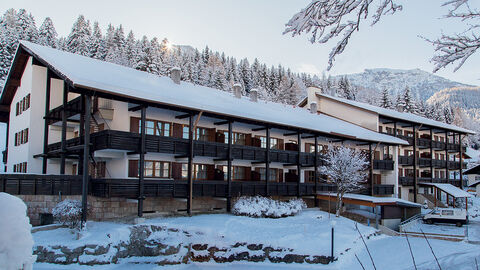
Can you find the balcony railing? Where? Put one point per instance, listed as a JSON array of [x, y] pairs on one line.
[[383, 189], [383, 164]]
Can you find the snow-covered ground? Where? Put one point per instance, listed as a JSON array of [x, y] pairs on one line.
[[306, 233]]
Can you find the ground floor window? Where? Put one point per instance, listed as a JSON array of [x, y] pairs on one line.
[[199, 171], [272, 177], [159, 169]]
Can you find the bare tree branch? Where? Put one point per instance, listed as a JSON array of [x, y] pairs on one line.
[[328, 19]]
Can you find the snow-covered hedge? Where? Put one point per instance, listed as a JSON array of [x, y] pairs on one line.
[[68, 212], [265, 207], [16, 240]]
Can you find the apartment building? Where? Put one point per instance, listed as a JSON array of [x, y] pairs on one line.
[[435, 152]]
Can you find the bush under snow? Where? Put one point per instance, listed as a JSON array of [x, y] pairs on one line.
[[265, 207], [16, 240], [68, 212]]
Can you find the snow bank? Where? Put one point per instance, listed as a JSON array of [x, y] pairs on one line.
[[16, 240], [69, 212], [265, 207]]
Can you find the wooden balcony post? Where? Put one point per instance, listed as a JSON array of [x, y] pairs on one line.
[[370, 169], [315, 171], [454, 161], [461, 160], [415, 178], [81, 132], [86, 155], [447, 173], [229, 168], [45, 127], [64, 128], [267, 160], [141, 163], [431, 154], [190, 166], [299, 160]]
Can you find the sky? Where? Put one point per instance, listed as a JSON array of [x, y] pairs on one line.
[[253, 29]]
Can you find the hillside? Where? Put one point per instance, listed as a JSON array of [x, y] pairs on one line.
[[466, 98], [421, 83]]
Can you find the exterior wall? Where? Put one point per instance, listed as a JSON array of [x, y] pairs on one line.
[[18, 154], [37, 111]]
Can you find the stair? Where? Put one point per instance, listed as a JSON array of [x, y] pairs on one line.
[[431, 200]]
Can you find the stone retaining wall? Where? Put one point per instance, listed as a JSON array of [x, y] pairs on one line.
[[115, 208]]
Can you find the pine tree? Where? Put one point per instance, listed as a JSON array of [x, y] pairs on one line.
[[385, 101], [47, 35], [26, 26], [78, 40], [97, 48]]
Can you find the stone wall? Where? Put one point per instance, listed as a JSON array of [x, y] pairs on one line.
[[115, 208]]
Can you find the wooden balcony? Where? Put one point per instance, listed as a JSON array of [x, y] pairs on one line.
[[33, 184], [383, 189], [127, 141], [386, 165]]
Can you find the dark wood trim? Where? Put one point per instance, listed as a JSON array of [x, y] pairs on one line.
[[190, 165], [64, 128], [86, 157], [315, 172], [415, 177], [141, 166], [46, 126], [447, 158], [267, 159], [461, 160], [370, 168], [229, 168], [299, 162]]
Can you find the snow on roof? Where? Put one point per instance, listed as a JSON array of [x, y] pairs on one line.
[[138, 85], [399, 115], [450, 189], [375, 200]]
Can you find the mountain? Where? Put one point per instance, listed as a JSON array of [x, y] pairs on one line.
[[421, 83], [466, 98]]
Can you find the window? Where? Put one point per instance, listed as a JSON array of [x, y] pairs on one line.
[[22, 105], [20, 167], [21, 137], [199, 171], [154, 127], [272, 177], [238, 173], [237, 138], [310, 177], [201, 134], [311, 148], [273, 142], [160, 169]]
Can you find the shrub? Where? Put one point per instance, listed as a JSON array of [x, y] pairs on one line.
[[68, 212], [265, 207]]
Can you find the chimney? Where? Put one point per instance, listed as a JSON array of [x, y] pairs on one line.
[[237, 90], [313, 107], [175, 75], [254, 95]]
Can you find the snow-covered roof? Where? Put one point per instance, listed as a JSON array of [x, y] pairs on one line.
[[85, 72], [409, 117], [450, 189], [372, 199]]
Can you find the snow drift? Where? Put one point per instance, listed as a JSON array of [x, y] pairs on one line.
[[16, 242]]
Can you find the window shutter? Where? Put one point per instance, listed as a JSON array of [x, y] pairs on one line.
[[280, 144], [134, 124], [210, 172], [220, 137], [26, 135], [211, 134], [177, 130], [248, 173], [176, 171], [280, 175], [16, 139], [133, 168], [248, 139]]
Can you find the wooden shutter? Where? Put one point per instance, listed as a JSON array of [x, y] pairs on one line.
[[256, 142], [134, 124], [101, 169], [248, 139], [280, 175], [177, 130], [305, 177], [220, 137], [248, 173], [210, 172], [133, 168], [176, 171], [280, 144], [211, 134], [16, 139]]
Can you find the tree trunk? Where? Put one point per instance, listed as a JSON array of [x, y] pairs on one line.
[[339, 203]]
